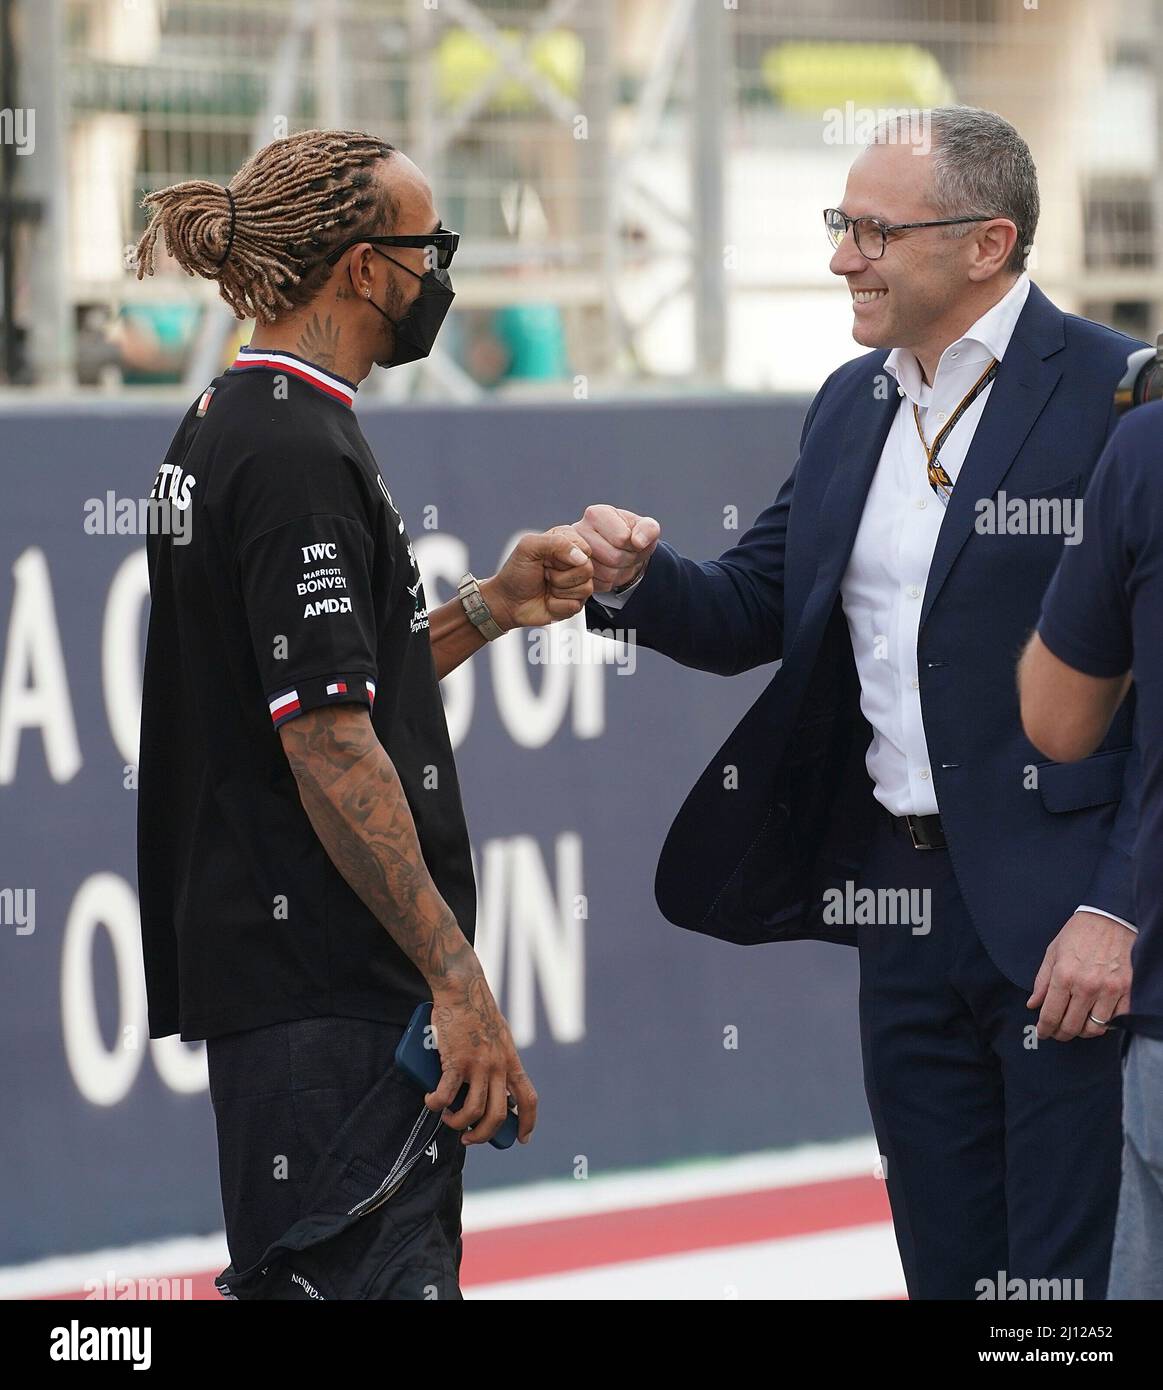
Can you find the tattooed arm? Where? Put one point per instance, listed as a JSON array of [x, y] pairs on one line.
[[356, 804]]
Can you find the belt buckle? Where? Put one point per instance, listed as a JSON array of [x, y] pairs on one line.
[[913, 835]]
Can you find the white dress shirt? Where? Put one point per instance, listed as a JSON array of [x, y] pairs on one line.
[[883, 587]]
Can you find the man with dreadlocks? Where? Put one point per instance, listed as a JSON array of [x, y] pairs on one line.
[[304, 867]]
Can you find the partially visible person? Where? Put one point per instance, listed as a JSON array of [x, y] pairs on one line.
[[154, 341], [1101, 627]]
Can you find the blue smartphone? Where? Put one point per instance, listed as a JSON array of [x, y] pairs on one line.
[[420, 1063]]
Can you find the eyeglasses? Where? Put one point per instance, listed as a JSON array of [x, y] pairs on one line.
[[872, 235], [442, 241]]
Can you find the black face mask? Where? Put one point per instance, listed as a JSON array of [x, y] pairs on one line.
[[416, 331]]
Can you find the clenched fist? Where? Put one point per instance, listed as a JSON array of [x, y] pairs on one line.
[[546, 578], [620, 543]]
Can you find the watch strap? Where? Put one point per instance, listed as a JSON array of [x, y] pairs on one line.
[[476, 609]]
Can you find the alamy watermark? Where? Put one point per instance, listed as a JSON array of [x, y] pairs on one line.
[[568, 645], [169, 1288], [18, 909], [137, 516], [857, 125], [79, 1342], [1009, 1288], [879, 907], [1030, 516], [18, 128]]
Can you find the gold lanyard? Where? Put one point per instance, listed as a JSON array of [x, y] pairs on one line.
[[939, 480]]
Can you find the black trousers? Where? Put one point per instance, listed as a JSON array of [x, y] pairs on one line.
[[1002, 1151], [287, 1107]]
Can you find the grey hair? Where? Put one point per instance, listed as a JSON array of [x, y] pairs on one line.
[[981, 167]]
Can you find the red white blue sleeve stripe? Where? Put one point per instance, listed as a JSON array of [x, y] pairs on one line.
[[325, 690], [285, 706]]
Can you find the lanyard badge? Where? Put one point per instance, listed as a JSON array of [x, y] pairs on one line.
[[939, 479]]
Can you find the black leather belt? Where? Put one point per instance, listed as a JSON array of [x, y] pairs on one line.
[[926, 832]]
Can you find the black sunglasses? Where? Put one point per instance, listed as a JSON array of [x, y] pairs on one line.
[[443, 242]]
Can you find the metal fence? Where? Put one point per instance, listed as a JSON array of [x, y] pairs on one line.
[[638, 182]]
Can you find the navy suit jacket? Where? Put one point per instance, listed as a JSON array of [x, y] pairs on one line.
[[784, 809]]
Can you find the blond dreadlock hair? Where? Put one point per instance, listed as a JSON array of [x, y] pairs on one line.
[[293, 201]]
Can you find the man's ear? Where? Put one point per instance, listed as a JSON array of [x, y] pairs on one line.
[[995, 246], [359, 269]]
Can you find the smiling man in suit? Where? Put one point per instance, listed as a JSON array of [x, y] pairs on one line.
[[896, 575]]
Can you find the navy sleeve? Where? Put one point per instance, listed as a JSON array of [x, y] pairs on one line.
[[724, 615], [1086, 611]]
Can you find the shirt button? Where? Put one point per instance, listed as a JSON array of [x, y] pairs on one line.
[[923, 774], [914, 684], [954, 354], [900, 390], [922, 502], [913, 591], [942, 417]]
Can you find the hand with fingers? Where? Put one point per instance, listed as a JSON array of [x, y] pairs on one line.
[[1085, 978], [476, 1050], [620, 544], [547, 577]]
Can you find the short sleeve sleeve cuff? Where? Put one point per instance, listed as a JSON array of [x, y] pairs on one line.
[[349, 688], [1080, 656]]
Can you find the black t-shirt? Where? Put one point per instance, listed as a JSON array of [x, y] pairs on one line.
[[1103, 615], [287, 581]]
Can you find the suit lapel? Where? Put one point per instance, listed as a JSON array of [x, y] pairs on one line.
[[859, 443], [1025, 382], [866, 428]]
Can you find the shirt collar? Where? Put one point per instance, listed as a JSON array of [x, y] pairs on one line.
[[337, 387], [988, 337]]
